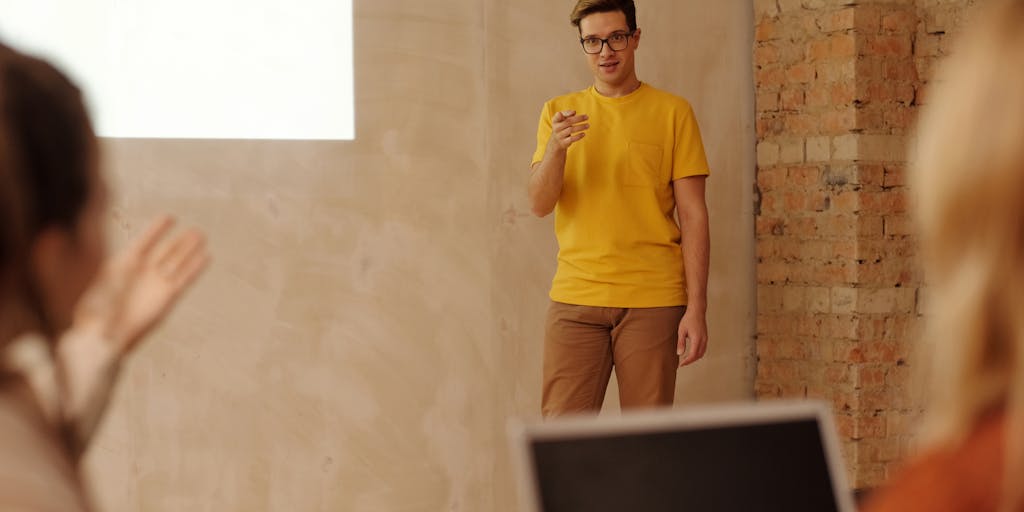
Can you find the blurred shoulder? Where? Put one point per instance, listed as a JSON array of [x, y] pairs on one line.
[[960, 478], [35, 471]]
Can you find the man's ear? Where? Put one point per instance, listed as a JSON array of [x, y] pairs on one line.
[[636, 35]]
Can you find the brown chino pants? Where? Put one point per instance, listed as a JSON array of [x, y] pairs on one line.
[[583, 343]]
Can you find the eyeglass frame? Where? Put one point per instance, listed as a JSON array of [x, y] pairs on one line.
[[607, 41]]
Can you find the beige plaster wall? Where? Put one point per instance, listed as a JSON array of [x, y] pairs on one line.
[[373, 315]]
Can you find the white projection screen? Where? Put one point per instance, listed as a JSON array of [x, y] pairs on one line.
[[199, 69]]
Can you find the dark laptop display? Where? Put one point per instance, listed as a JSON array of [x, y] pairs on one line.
[[773, 463]]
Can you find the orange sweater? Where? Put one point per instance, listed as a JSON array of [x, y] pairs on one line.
[[964, 478]]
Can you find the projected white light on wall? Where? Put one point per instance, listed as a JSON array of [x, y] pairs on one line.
[[221, 69]]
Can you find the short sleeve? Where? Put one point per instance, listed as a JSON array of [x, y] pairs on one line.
[[543, 133], [689, 157]]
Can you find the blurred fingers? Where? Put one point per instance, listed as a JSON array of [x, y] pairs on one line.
[[180, 249], [190, 270], [150, 238]]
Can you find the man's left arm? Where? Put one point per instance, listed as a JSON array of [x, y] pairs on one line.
[[696, 243]]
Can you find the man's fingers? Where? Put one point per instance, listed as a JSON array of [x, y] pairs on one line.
[[694, 351], [560, 121], [578, 128], [573, 130], [561, 116], [568, 128], [577, 119]]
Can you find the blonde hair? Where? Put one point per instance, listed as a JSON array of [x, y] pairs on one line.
[[970, 178]]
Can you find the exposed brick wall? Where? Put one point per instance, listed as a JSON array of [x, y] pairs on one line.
[[838, 85]]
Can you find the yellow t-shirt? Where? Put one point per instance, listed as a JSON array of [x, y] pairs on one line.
[[619, 243]]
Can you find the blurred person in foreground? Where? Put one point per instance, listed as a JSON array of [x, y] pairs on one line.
[[67, 315], [969, 176]]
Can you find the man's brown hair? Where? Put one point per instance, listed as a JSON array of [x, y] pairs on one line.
[[585, 8]]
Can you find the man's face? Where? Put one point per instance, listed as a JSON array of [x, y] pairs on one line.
[[609, 66]]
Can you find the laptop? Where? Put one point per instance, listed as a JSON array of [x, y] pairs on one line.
[[770, 456]]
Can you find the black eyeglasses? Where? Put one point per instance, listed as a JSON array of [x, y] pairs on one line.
[[617, 42]]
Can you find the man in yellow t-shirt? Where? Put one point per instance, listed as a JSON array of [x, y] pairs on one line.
[[616, 163]]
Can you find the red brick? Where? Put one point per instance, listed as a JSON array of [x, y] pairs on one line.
[[771, 179], [843, 93], [795, 201], [881, 352], [800, 73], [900, 119], [835, 273], [819, 49], [837, 373], [837, 70], [867, 19], [767, 101], [880, 92], [768, 226], [801, 124], [905, 93], [766, 54], [901, 70], [843, 327], [870, 119], [845, 202], [842, 45], [889, 46], [899, 225], [769, 125], [770, 205], [818, 95], [804, 177], [900, 21], [772, 273], [839, 20], [766, 30], [872, 377], [810, 327], [892, 201], [771, 77], [871, 426], [792, 99], [839, 121], [870, 175]]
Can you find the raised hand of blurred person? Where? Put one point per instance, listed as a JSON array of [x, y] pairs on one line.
[[134, 291], [141, 285]]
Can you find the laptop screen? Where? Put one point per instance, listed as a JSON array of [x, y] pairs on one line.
[[774, 466]]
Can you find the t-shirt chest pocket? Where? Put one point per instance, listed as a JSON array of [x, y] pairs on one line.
[[643, 167]]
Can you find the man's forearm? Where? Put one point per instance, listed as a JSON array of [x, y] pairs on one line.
[[546, 182], [696, 242]]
